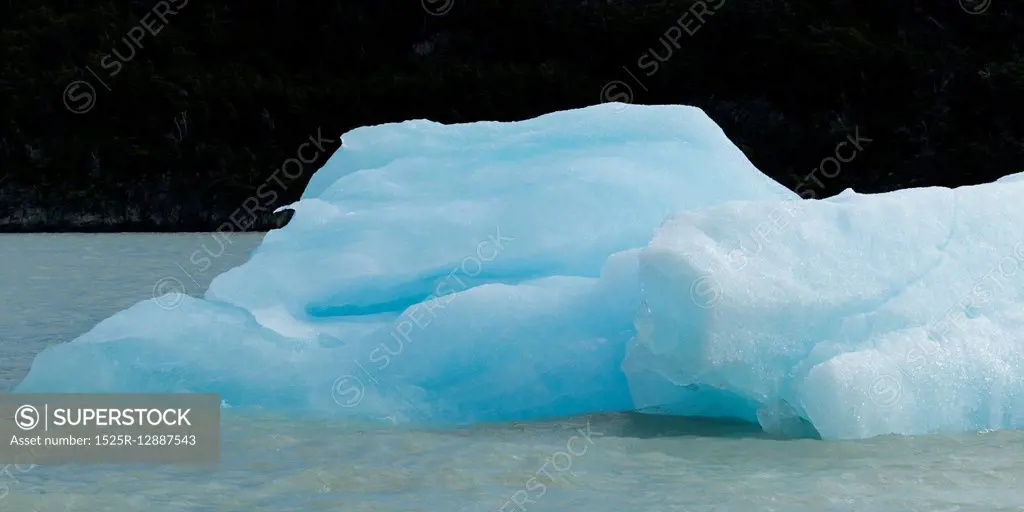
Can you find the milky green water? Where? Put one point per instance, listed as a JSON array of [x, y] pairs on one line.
[[55, 287]]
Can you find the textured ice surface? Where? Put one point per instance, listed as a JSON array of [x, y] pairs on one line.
[[474, 272], [504, 271], [856, 316]]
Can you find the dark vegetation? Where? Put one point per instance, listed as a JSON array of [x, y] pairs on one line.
[[205, 111]]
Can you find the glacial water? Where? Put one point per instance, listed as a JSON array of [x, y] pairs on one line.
[[55, 287]]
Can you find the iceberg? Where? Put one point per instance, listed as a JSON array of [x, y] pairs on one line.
[[604, 259], [436, 274], [851, 317]]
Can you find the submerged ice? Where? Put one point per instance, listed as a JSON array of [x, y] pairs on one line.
[[587, 261]]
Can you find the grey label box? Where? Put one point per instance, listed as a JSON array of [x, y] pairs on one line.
[[174, 428]]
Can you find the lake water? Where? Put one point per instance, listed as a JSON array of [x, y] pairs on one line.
[[55, 287]]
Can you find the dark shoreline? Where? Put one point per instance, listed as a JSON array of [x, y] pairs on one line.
[[76, 225], [234, 105], [122, 231]]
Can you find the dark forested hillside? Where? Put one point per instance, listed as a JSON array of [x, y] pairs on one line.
[[170, 114]]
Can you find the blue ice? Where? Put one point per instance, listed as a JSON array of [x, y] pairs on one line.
[[436, 273], [610, 258]]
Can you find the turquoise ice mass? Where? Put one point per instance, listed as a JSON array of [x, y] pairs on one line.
[[610, 258]]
